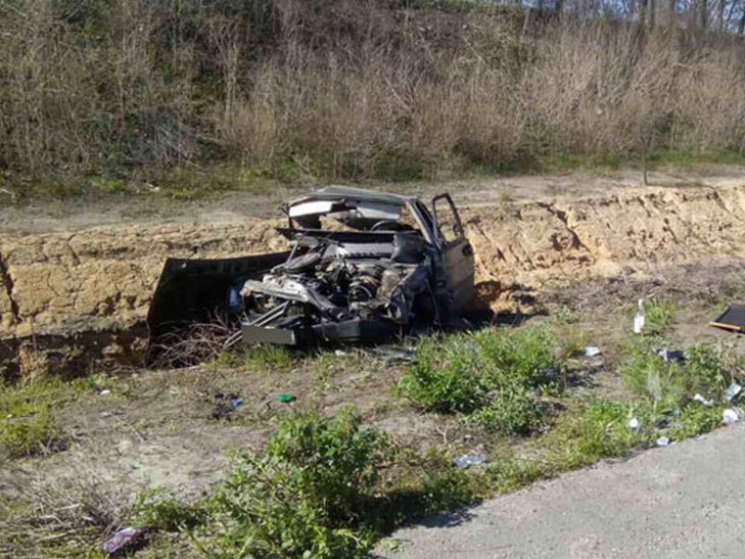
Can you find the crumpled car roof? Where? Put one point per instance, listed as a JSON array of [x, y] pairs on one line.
[[348, 192]]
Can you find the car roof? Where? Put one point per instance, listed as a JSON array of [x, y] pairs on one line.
[[348, 192]]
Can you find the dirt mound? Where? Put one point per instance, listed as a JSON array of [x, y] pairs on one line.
[[106, 273], [639, 231], [103, 278]]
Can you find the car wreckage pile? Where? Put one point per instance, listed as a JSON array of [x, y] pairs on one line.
[[363, 266]]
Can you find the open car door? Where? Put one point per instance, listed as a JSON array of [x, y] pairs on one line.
[[457, 251]]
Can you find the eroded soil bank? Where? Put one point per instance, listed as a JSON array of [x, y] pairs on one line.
[[56, 287]]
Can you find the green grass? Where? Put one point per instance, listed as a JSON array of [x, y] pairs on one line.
[[491, 375], [671, 385], [660, 315], [28, 422], [33, 434]]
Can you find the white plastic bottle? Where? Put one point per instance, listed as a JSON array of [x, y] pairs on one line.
[[639, 319]]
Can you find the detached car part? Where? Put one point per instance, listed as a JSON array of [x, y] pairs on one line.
[[363, 266]]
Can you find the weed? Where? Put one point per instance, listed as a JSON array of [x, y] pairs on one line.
[[695, 420], [447, 375], [670, 385], [513, 411], [485, 370], [169, 514], [592, 432], [660, 315], [26, 436], [270, 358], [509, 474], [565, 315]]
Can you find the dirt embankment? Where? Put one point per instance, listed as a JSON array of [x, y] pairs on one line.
[[101, 279]]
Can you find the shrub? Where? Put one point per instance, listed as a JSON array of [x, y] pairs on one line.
[[660, 315], [447, 375], [25, 436], [596, 431], [669, 385], [512, 411], [491, 374], [306, 495]]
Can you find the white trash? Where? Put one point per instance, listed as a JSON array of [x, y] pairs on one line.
[[703, 401], [732, 392], [633, 423], [639, 319], [731, 416], [663, 441]]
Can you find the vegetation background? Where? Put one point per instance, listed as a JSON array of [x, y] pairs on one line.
[[235, 92]]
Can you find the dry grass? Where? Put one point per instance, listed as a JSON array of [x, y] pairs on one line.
[[351, 90], [63, 515]]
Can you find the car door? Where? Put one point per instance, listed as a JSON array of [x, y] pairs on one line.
[[456, 249]]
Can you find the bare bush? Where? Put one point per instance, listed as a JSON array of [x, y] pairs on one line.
[[352, 89]]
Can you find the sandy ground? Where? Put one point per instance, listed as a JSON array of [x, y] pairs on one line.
[[680, 502]]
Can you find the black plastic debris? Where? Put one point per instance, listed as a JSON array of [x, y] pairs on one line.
[[670, 354], [225, 405], [733, 319]]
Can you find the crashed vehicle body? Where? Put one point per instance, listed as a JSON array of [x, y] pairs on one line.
[[363, 266]]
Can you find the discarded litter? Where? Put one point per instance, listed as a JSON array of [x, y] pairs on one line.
[[732, 319], [633, 423], [126, 537], [592, 351], [663, 441], [104, 392], [732, 392], [670, 354], [286, 397], [731, 415], [703, 401], [225, 405], [469, 460], [340, 353], [639, 319]]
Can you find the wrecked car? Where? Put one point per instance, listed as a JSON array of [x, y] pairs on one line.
[[362, 266]]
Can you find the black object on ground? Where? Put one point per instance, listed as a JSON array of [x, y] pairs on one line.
[[732, 319], [225, 405]]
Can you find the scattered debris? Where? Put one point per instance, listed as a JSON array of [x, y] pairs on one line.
[[732, 391], [469, 460], [286, 397], [670, 354], [731, 415], [104, 392], [732, 319], [225, 405], [663, 441], [633, 423], [639, 319], [126, 538], [703, 401], [340, 353], [592, 351]]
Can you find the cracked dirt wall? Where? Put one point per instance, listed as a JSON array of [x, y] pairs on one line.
[[639, 230], [104, 277]]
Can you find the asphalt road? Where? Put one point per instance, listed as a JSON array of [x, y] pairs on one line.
[[683, 501]]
